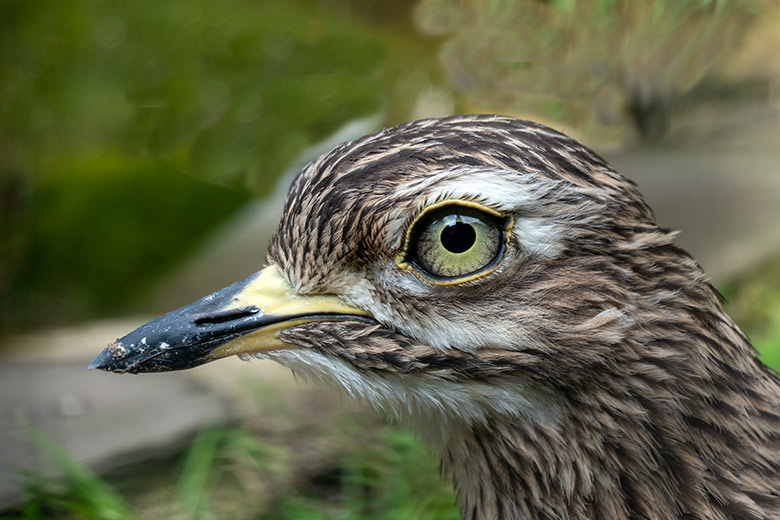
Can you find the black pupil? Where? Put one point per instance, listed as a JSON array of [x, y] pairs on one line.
[[458, 237]]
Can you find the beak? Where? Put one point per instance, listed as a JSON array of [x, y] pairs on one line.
[[243, 318]]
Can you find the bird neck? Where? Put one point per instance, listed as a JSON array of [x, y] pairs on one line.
[[694, 436]]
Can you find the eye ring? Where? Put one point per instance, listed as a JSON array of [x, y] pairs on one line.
[[436, 221]]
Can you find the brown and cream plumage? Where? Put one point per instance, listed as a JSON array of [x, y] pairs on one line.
[[499, 288]]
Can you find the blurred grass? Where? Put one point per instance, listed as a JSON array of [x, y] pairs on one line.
[[80, 492], [753, 300], [387, 476]]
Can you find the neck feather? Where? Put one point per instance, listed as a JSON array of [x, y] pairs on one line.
[[694, 435]]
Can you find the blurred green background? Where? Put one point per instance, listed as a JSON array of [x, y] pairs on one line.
[[126, 127], [131, 131]]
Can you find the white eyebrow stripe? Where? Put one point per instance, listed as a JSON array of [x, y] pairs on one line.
[[539, 236]]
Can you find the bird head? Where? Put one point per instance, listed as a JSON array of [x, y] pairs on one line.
[[499, 287], [466, 266], [437, 253]]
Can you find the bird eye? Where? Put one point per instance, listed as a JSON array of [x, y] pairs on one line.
[[454, 243]]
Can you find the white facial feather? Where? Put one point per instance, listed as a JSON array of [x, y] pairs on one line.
[[538, 235], [431, 329], [434, 407]]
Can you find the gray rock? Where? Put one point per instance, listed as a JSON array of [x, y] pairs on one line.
[[101, 419]]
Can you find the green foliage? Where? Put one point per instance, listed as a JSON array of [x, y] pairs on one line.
[[754, 302], [769, 344], [231, 87], [197, 472], [121, 123], [84, 496], [91, 236], [388, 476]]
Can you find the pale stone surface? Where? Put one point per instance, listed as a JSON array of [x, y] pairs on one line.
[[726, 204], [106, 420], [99, 418]]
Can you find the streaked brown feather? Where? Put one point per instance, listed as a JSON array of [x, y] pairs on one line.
[[662, 408]]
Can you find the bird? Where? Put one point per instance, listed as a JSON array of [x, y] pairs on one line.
[[501, 290]]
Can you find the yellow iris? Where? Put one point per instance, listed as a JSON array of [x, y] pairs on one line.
[[454, 243]]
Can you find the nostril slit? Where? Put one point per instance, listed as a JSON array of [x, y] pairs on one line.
[[226, 316]]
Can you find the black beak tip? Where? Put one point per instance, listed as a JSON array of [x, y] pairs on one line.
[[108, 357], [97, 363]]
